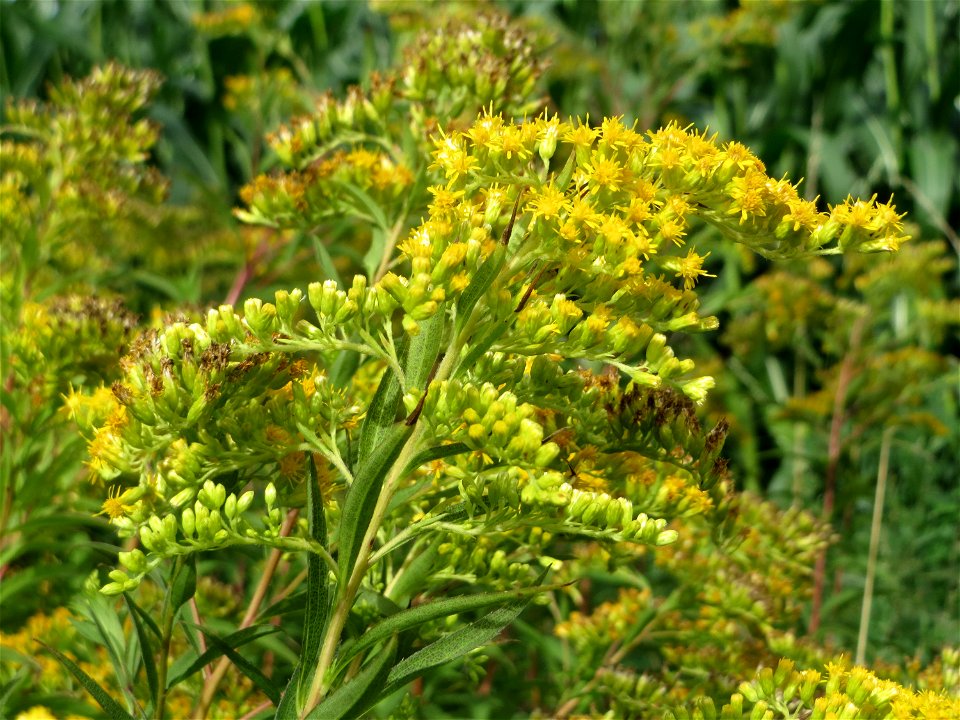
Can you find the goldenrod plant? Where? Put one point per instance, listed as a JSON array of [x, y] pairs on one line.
[[481, 418]]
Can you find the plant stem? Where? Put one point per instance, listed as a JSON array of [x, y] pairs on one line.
[[347, 591], [875, 527], [833, 460], [210, 686], [799, 465], [392, 238], [167, 614]]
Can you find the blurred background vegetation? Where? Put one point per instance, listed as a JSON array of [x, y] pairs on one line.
[[823, 370]]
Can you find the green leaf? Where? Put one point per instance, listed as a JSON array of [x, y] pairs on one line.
[[344, 367], [381, 413], [455, 645], [146, 647], [294, 603], [362, 496], [354, 697], [424, 350], [326, 262], [287, 707], [481, 282], [413, 617], [184, 583], [267, 686], [110, 706], [480, 346], [148, 621], [435, 453], [234, 640], [318, 603]]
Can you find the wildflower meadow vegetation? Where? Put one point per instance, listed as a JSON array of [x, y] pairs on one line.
[[480, 360]]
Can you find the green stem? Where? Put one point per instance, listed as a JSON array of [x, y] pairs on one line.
[[799, 465], [348, 590], [875, 527], [168, 613]]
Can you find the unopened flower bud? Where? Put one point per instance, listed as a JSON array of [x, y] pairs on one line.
[[135, 561]]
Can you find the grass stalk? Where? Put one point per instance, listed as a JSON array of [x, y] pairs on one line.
[[876, 526]]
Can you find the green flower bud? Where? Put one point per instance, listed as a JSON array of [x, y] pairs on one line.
[[546, 454], [214, 523], [270, 496], [262, 321], [667, 537], [748, 691], [288, 304], [183, 497], [135, 561], [208, 495], [246, 499], [147, 537], [113, 588], [765, 679], [230, 507], [188, 523]]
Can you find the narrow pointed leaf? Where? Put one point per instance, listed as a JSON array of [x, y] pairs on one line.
[[411, 582], [318, 603], [455, 645], [148, 621], [413, 617], [436, 453], [146, 648], [381, 414], [362, 496], [361, 692], [234, 640], [424, 350], [287, 707], [114, 710], [184, 583], [267, 686], [481, 282]]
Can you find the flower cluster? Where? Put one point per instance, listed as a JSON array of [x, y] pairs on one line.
[[722, 617], [466, 63], [76, 191], [836, 691]]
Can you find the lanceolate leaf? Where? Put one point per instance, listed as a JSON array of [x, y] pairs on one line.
[[113, 709], [184, 583], [146, 647], [424, 349], [436, 453], [455, 645], [355, 696], [411, 582], [381, 414], [317, 601], [487, 272], [413, 617], [267, 686], [148, 621], [362, 496], [234, 640]]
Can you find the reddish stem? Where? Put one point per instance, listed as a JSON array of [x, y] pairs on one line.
[[834, 449]]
